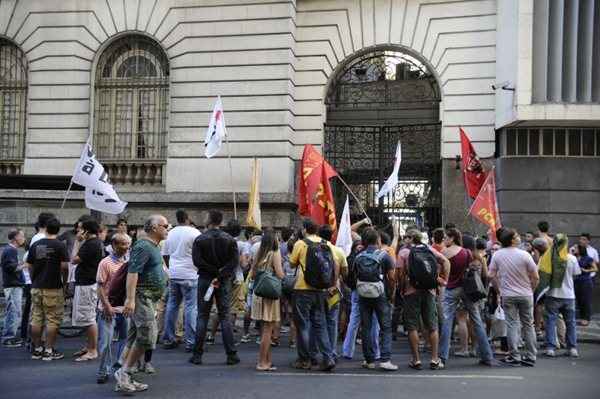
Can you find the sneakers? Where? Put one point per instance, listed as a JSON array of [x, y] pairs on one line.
[[233, 359], [102, 379], [52, 354], [139, 387], [550, 353], [462, 354], [13, 343], [170, 345], [437, 365], [368, 366], [37, 353], [511, 361], [573, 352], [196, 359], [210, 340], [327, 366], [388, 366], [124, 384], [245, 339], [149, 368], [300, 365], [529, 362]]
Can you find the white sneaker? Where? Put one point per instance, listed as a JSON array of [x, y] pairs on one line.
[[573, 352], [550, 353], [388, 366], [139, 387], [368, 366], [124, 383]]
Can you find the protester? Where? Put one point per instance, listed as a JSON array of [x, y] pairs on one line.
[[438, 237], [462, 259], [266, 310], [47, 263], [215, 254], [420, 304], [122, 226], [183, 281], [560, 297], [110, 319], [515, 274], [145, 285], [309, 301], [374, 272], [584, 283], [543, 229], [13, 282], [85, 301]]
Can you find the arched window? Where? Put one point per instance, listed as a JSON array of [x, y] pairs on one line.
[[131, 101], [13, 105]]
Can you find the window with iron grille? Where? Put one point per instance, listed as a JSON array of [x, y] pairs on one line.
[[131, 101], [550, 142], [13, 102]]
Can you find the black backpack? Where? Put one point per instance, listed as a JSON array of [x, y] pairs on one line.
[[319, 270], [117, 286], [367, 267], [473, 284], [422, 268]]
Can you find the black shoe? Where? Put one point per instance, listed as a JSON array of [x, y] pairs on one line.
[[196, 359], [189, 349], [511, 361], [102, 379], [300, 365], [116, 366], [52, 355], [37, 355], [13, 343], [233, 359], [528, 362], [170, 345], [327, 366], [314, 362]]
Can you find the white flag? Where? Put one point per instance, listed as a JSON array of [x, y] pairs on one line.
[[100, 195], [216, 131], [344, 237], [392, 181], [104, 202]]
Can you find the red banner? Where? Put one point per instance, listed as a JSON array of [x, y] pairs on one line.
[[315, 198], [485, 206], [472, 169]]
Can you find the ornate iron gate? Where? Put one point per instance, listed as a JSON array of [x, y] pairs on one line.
[[364, 157]]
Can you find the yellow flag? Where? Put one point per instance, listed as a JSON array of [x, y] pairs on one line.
[[253, 218]]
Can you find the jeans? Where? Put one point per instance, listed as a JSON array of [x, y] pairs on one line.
[[552, 307], [452, 298], [106, 330], [518, 311], [352, 330], [583, 296], [12, 319], [332, 320], [26, 312], [186, 291], [381, 308], [309, 316], [222, 295]]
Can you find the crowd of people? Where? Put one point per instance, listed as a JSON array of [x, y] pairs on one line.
[[132, 288]]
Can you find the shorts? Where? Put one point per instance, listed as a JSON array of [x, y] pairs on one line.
[[47, 307], [85, 303], [143, 328], [238, 301], [420, 306]]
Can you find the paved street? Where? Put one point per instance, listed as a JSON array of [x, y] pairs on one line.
[[64, 379]]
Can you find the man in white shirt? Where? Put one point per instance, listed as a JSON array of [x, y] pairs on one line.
[[562, 301], [183, 281]]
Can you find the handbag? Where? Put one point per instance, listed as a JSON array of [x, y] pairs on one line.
[[473, 285], [267, 285], [288, 283]]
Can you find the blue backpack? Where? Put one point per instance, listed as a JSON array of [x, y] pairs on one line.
[[319, 270]]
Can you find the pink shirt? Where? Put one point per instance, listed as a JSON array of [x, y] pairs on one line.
[[402, 263], [512, 267], [106, 269]]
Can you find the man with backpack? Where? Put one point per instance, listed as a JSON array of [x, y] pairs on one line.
[[215, 254], [314, 257], [373, 268], [110, 318], [422, 270]]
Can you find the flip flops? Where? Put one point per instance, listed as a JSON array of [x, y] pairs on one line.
[[415, 365], [80, 352], [86, 357], [266, 369]]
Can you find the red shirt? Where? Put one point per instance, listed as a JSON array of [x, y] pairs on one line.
[[458, 265]]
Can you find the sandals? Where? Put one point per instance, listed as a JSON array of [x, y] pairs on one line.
[[415, 365], [86, 357], [267, 369], [80, 352]]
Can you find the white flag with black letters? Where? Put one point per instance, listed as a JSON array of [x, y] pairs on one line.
[[100, 195]]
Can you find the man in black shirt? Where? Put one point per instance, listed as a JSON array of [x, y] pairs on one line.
[[12, 278], [215, 254], [47, 261], [85, 299]]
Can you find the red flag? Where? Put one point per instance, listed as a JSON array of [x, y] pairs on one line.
[[472, 169], [485, 206], [315, 198]]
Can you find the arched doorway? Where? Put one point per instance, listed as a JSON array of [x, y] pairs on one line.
[[375, 99]]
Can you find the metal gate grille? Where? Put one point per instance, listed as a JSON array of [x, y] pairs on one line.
[[364, 157]]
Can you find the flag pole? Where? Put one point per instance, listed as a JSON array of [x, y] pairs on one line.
[[231, 176], [353, 196], [67, 194]]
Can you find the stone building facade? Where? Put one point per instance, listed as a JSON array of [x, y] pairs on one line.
[[141, 76]]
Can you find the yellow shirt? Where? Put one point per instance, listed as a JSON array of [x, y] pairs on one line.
[[298, 257]]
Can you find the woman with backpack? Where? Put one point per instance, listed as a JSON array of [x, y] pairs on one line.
[[266, 310], [461, 260]]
